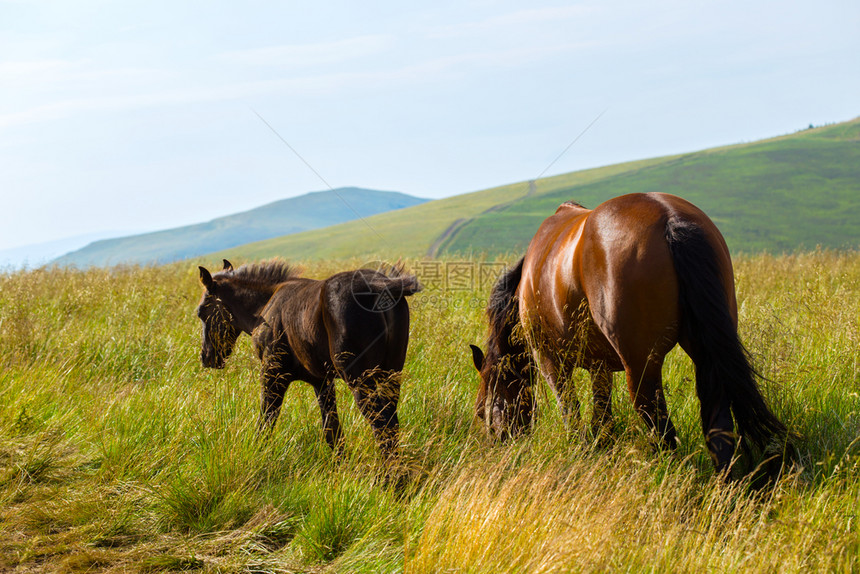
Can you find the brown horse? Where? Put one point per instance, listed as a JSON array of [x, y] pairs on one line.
[[353, 325], [612, 289]]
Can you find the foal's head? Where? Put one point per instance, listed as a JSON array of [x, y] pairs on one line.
[[232, 303], [504, 400], [220, 330]]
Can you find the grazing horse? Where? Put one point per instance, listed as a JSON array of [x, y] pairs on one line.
[[614, 289], [353, 325]]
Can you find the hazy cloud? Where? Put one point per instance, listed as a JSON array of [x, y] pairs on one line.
[[308, 55], [516, 19]]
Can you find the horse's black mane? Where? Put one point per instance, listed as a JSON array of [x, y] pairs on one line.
[[503, 306], [269, 272]]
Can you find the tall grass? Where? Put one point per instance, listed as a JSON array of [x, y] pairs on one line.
[[118, 452]]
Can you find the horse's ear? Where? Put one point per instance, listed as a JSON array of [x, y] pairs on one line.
[[477, 357], [206, 279], [227, 266]]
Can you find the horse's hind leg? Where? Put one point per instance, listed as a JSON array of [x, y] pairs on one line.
[[646, 390], [601, 418], [719, 430], [326, 397], [717, 423]]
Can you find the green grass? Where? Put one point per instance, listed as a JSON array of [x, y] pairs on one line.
[[777, 195], [120, 453]]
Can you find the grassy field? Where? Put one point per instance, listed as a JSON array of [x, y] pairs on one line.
[[119, 453]]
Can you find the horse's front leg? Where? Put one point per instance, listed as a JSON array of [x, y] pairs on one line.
[[601, 418], [564, 389], [326, 397]]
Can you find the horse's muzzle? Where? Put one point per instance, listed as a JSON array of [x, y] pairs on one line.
[[212, 361], [505, 420]]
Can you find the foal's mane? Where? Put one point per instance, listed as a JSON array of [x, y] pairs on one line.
[[264, 273]]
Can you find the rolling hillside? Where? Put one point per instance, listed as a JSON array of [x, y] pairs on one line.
[[791, 192], [780, 195], [413, 232], [309, 211]]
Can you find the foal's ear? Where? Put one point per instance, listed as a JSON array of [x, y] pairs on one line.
[[206, 279], [477, 357], [227, 266]]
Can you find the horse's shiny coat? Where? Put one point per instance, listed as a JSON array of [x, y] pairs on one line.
[[615, 289]]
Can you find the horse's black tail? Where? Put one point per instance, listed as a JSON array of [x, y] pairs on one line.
[[723, 368]]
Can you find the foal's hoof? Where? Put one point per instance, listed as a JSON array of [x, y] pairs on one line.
[[602, 436], [395, 475], [398, 483]]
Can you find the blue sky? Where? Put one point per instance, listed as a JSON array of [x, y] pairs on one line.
[[134, 116]]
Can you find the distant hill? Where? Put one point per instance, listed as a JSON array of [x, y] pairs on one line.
[[309, 211], [791, 192]]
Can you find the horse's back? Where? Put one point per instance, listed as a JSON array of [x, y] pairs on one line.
[[554, 306], [614, 264], [678, 213], [629, 276]]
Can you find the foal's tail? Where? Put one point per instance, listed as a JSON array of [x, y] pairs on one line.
[[393, 279], [723, 368]]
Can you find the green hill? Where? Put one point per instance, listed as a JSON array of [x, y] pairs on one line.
[[779, 195], [412, 232], [309, 211], [796, 191]]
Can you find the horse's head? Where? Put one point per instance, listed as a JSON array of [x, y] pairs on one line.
[[504, 399], [504, 402], [219, 325]]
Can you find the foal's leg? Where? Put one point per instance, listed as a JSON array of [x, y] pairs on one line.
[[275, 383], [601, 387], [646, 390], [325, 392], [377, 394]]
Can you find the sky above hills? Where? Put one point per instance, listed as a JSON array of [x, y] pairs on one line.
[[140, 116]]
